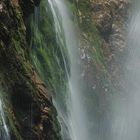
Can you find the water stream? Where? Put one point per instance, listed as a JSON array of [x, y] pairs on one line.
[[70, 108], [124, 119], [4, 132], [77, 118]]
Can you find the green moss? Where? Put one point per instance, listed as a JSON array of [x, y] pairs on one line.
[[88, 27], [47, 56]]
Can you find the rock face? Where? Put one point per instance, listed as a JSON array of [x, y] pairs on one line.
[[28, 6], [110, 18], [111, 22], [29, 109], [104, 27]]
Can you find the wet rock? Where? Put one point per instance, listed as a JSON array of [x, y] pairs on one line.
[[103, 41], [28, 6], [4, 16], [103, 21], [33, 114]]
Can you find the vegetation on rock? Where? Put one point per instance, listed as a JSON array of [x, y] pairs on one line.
[[31, 114], [29, 52]]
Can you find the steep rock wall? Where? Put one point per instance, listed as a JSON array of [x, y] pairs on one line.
[[29, 109], [103, 27]]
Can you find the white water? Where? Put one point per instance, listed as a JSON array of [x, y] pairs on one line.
[[124, 120], [66, 35], [126, 112], [4, 132]]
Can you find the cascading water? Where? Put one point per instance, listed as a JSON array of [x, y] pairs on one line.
[[126, 115], [124, 119], [4, 132], [77, 119], [73, 118]]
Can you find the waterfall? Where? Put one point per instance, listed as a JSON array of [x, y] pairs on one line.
[[4, 132], [68, 101], [122, 120], [126, 115], [76, 119]]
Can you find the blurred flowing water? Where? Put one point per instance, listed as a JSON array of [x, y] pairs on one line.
[[66, 35], [4, 132], [125, 122], [122, 120], [70, 107]]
